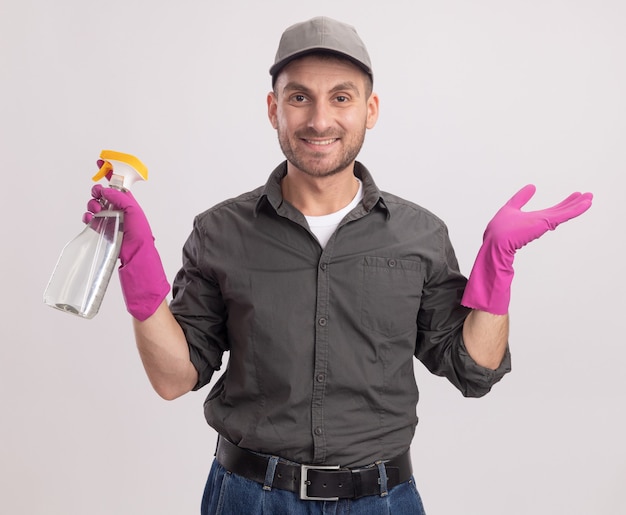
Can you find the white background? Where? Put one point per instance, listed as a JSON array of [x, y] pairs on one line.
[[478, 98]]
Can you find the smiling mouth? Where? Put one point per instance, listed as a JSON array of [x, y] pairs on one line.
[[321, 143]]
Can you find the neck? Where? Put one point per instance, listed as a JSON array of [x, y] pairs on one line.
[[318, 196]]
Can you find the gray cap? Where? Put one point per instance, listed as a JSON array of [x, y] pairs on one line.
[[320, 34]]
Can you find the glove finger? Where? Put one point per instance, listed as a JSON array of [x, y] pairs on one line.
[[571, 202], [521, 198], [100, 163], [94, 206], [87, 217], [557, 214], [119, 199], [572, 199], [96, 191], [566, 212]]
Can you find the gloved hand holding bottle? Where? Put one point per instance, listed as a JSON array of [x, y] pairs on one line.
[[142, 277], [489, 285]]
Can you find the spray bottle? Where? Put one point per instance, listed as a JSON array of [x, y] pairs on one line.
[[83, 271]]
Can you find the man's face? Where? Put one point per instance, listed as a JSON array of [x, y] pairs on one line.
[[321, 111]]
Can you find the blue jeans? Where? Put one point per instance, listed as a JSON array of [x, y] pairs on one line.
[[230, 494]]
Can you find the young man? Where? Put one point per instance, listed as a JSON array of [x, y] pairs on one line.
[[322, 289]]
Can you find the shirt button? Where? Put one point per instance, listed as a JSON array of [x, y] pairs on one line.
[[392, 263], [318, 431], [320, 378], [324, 266], [322, 321]]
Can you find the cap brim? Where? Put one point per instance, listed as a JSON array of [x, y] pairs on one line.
[[277, 67]]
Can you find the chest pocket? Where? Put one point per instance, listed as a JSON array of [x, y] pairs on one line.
[[391, 293]]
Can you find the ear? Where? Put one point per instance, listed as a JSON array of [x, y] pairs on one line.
[[272, 108], [372, 111]]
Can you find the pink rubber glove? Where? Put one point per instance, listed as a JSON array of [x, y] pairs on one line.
[[489, 285], [142, 277]]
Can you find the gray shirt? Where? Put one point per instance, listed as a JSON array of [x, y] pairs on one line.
[[322, 340]]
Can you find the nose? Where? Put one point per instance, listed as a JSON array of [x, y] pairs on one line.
[[320, 117]]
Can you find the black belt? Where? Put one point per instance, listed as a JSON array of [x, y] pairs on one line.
[[314, 482]]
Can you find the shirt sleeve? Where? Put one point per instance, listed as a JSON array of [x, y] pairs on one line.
[[198, 307], [440, 345]]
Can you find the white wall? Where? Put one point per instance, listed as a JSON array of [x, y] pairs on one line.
[[478, 99]]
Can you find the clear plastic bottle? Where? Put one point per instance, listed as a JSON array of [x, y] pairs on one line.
[[84, 269]]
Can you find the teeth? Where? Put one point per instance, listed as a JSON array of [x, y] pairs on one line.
[[321, 143]]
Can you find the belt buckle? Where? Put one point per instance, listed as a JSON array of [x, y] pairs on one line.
[[304, 482]]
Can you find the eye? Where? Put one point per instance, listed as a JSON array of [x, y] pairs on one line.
[[341, 99], [298, 99]]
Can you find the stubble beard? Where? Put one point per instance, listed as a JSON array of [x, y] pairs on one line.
[[316, 164]]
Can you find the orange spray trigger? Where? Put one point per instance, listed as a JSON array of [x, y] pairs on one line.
[[104, 170]]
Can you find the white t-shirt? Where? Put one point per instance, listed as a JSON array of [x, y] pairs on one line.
[[324, 226]]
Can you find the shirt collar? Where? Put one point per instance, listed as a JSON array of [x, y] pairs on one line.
[[272, 191]]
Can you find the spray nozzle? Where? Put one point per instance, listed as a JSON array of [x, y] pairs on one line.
[[122, 170]]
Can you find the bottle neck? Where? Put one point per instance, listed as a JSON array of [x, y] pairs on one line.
[[117, 182]]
